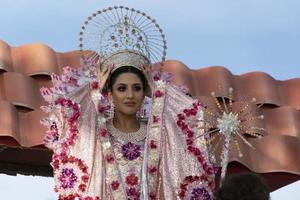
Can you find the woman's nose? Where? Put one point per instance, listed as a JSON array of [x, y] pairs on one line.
[[129, 93]]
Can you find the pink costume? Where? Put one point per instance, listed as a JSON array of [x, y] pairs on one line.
[[165, 159], [168, 163]]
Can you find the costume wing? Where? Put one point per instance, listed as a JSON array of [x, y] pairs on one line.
[[72, 135], [176, 164]]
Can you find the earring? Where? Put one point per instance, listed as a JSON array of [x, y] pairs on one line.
[[143, 113], [110, 110]]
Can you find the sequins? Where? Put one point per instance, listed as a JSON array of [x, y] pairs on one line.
[[70, 174], [157, 108], [196, 188], [187, 130], [67, 178], [200, 193], [132, 179], [131, 151]]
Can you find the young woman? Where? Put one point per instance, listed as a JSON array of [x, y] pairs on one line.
[[101, 147]]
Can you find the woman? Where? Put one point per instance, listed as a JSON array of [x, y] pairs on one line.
[[127, 86], [106, 152]]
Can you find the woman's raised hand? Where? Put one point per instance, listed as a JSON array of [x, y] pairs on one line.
[[103, 75], [148, 74]]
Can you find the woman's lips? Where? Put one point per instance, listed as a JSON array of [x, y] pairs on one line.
[[130, 104]]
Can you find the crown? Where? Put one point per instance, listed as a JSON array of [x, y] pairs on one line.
[[123, 37], [125, 58]]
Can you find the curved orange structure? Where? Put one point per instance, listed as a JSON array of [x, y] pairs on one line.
[[25, 69]]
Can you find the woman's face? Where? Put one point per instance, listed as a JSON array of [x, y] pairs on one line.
[[127, 93]]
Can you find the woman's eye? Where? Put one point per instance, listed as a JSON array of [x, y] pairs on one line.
[[137, 88], [121, 88]]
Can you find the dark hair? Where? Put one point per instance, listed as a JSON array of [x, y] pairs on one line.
[[127, 69], [243, 186]]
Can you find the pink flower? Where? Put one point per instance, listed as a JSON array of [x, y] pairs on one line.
[[153, 144], [82, 187], [85, 178], [132, 179], [158, 93], [95, 85], [156, 77], [101, 108], [152, 195], [109, 158], [103, 132], [155, 119], [133, 193], [115, 185], [152, 169]]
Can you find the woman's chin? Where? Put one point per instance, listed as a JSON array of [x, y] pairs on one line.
[[130, 111]]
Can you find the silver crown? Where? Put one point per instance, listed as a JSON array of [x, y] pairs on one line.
[[123, 37], [125, 58]]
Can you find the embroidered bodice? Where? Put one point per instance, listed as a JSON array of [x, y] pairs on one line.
[[90, 161], [128, 151]]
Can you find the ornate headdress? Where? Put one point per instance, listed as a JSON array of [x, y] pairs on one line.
[[122, 37]]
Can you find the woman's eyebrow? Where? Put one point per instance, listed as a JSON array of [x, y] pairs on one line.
[[124, 84], [121, 84]]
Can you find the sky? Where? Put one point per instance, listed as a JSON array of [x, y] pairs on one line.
[[241, 35]]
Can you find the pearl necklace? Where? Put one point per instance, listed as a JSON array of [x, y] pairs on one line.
[[134, 137]]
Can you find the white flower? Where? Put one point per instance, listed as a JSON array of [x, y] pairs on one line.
[[160, 84], [228, 123]]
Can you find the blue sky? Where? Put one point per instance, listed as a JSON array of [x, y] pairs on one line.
[[244, 36], [241, 35]]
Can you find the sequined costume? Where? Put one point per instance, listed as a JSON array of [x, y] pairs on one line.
[[165, 159], [90, 163]]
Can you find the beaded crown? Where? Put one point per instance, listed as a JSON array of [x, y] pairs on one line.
[[122, 36]]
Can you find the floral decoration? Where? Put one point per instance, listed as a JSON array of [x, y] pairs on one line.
[[71, 174], [157, 108], [196, 188], [188, 131], [133, 189], [131, 151]]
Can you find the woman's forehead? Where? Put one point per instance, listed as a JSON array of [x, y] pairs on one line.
[[128, 79]]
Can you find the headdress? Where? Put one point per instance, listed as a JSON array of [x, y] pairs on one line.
[[123, 37]]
